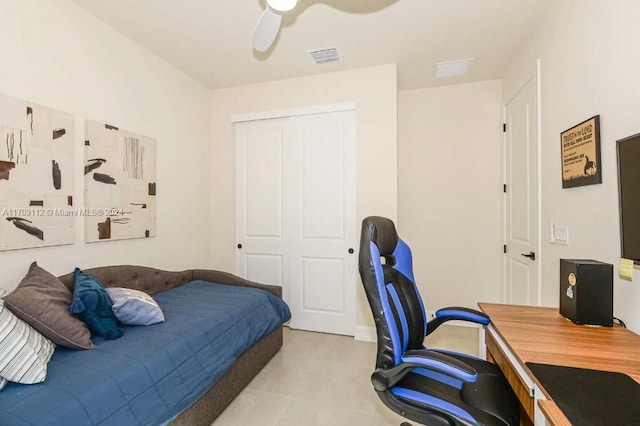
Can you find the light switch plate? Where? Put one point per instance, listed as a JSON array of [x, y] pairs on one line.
[[561, 235]]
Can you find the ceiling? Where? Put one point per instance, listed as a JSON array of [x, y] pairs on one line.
[[211, 40]]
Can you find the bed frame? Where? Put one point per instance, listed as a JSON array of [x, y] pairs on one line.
[[150, 280]]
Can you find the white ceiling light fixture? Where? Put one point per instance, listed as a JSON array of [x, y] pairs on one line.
[[453, 68], [282, 5]]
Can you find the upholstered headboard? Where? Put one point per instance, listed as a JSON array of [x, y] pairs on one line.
[[152, 281]]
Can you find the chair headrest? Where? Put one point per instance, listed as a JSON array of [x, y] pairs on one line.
[[382, 232]]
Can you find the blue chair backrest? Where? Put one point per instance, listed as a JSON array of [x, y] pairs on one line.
[[386, 269]]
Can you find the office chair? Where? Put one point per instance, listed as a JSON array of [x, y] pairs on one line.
[[432, 387]]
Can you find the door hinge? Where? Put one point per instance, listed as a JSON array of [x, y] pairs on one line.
[[504, 248], [504, 188], [504, 127]]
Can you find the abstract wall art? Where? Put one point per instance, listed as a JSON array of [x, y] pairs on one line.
[[120, 183], [36, 175]]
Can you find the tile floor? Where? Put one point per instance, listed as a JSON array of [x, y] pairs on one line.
[[323, 379]]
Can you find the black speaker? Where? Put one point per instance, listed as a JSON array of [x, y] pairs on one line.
[[586, 291]]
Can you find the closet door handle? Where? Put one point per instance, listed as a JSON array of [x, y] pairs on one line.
[[531, 255]]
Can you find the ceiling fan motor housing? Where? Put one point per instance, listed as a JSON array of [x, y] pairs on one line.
[[282, 5]]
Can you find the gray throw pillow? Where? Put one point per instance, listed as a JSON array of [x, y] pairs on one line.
[[134, 307], [42, 301]]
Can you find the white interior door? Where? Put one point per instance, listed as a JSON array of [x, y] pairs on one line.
[[521, 170], [260, 219], [296, 214], [323, 229]]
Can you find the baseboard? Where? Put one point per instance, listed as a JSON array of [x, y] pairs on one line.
[[366, 334]]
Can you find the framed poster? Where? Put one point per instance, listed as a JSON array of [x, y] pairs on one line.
[[37, 181], [581, 154], [120, 183]]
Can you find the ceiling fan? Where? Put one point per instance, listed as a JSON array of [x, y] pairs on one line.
[[269, 23]]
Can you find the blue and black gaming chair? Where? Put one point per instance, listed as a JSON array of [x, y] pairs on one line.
[[431, 387]]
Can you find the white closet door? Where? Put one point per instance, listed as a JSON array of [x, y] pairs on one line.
[[260, 220], [296, 214], [322, 192]]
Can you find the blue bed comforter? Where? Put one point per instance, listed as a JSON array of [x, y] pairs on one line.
[[152, 373]]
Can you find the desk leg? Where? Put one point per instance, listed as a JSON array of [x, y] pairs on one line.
[[539, 416], [497, 356]]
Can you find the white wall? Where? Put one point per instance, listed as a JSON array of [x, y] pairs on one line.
[[450, 191], [589, 65], [57, 55], [374, 90]]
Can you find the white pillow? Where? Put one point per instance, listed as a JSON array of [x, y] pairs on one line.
[[24, 353], [134, 307]]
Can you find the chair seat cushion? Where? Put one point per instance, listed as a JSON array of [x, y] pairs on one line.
[[489, 400]]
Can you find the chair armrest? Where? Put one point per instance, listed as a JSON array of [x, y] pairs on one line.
[[456, 313], [383, 379]]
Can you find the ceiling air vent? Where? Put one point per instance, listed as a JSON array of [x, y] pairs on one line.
[[452, 68], [328, 54]]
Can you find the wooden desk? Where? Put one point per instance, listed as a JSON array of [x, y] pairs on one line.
[[519, 334]]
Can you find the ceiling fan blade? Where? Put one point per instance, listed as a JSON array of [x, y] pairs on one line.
[[266, 29]]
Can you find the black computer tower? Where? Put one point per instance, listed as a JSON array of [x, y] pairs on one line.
[[586, 291]]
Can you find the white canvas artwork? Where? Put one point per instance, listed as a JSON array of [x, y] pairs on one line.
[[36, 175], [120, 184]]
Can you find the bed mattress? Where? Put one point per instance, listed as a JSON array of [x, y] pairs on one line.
[[152, 373]]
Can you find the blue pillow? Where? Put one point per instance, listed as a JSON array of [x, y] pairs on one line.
[[134, 307], [93, 304]]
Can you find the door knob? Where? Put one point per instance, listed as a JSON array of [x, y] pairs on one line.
[[531, 255], [351, 251], [239, 246]]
